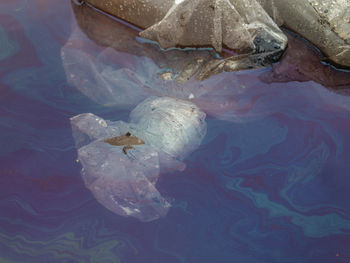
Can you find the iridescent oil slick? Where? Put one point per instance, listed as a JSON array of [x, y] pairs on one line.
[[269, 182]]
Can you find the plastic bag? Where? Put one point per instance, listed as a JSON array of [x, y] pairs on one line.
[[325, 23], [125, 183], [242, 26]]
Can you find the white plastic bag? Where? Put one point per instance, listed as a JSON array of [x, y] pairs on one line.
[[126, 183]]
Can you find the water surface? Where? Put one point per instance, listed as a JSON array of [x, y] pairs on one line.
[[270, 182]]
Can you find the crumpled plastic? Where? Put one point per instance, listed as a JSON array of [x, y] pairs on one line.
[[126, 183], [122, 71], [215, 23], [104, 61], [242, 26], [325, 23]]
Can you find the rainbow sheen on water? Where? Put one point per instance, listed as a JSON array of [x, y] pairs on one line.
[[269, 183]]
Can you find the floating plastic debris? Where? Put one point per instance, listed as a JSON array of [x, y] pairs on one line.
[[122, 161]]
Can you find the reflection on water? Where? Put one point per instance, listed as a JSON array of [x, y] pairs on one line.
[[269, 183]]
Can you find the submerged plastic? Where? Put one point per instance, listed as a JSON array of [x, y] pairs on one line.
[[122, 72], [104, 61], [126, 183]]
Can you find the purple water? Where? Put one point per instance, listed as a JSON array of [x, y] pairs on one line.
[[270, 183]]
